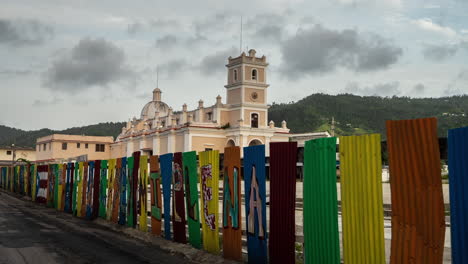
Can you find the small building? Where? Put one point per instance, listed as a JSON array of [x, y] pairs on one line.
[[10, 154], [61, 148]]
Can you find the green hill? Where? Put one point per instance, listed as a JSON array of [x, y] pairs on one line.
[[367, 114], [353, 115], [24, 138]]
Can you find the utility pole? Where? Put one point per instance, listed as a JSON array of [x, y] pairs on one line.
[[14, 154]]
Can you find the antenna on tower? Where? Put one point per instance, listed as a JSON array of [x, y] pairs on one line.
[[240, 46], [157, 76]]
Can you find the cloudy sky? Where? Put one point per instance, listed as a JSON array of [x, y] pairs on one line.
[[74, 63]]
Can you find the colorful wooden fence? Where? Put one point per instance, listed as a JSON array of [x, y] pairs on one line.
[[116, 190], [321, 236], [361, 199], [283, 157], [458, 167], [418, 219]]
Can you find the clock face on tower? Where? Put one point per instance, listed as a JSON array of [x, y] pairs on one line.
[[254, 96]]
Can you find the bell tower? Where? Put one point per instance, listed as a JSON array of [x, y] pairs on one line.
[[246, 88]]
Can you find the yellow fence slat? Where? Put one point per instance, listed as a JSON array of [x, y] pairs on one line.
[[209, 174], [361, 199]]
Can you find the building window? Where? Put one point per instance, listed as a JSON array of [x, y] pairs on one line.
[[78, 145], [254, 74], [100, 147], [86, 145], [210, 116], [254, 120], [8, 152], [235, 75], [44, 147], [64, 146], [163, 123], [208, 149]]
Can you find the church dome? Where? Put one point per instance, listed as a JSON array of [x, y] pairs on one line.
[[148, 111]]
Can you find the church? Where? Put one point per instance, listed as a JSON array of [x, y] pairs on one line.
[[242, 120]]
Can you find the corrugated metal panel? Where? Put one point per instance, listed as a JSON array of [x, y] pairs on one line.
[[156, 203], [63, 176], [110, 187], [85, 189], [96, 188], [458, 167], [33, 169], [42, 172], [321, 236], [418, 221], [143, 193], [361, 199], [76, 179], [103, 190], [166, 174], [90, 190], [116, 191], [283, 156], [232, 220], [189, 160], [134, 188], [130, 165], [178, 201], [209, 186], [255, 207], [123, 193]]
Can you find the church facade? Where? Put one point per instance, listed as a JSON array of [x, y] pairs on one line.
[[242, 120]]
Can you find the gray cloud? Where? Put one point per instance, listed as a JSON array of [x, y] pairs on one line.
[[92, 62], [166, 42], [42, 103], [439, 52], [134, 28], [383, 89], [459, 85], [418, 89], [214, 63], [24, 32], [442, 52], [173, 68], [268, 26], [14, 72], [320, 50]]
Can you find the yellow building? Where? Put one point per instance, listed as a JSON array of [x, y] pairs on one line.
[[13, 153], [242, 120], [61, 148]]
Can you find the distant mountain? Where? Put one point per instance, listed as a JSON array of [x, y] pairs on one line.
[[24, 138], [367, 114], [353, 115]]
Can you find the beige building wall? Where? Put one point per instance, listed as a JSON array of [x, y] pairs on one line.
[[179, 143], [260, 95], [234, 96], [20, 153], [215, 143], [163, 145], [54, 149], [117, 150], [261, 117], [260, 73]]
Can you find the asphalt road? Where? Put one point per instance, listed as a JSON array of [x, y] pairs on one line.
[[30, 233]]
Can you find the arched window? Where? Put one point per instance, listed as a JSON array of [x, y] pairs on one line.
[[235, 75], [231, 143], [254, 120], [255, 142], [254, 74]]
